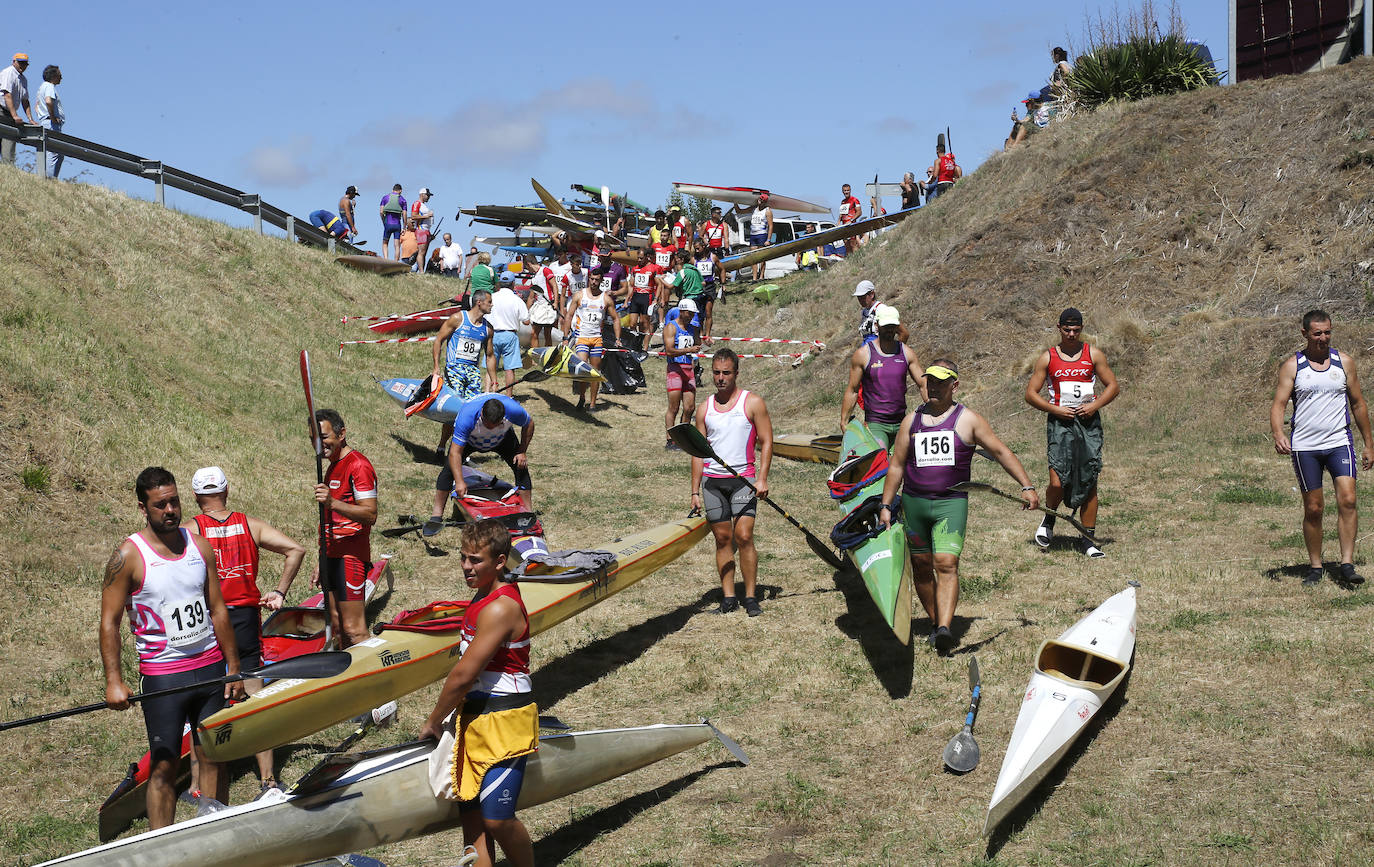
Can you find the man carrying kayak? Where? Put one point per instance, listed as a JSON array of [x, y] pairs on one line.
[[586, 311], [486, 423], [349, 495], [463, 341], [681, 333], [1073, 424], [1325, 390], [734, 421], [934, 450], [166, 578], [879, 370], [486, 706], [236, 538]]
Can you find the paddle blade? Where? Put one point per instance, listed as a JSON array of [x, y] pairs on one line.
[[728, 742], [975, 675], [306, 381], [690, 440], [822, 550], [326, 663], [961, 753]]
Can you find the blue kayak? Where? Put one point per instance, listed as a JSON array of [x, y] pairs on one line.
[[444, 409]]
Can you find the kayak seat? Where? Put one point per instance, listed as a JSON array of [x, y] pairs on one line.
[[1077, 667], [434, 617]]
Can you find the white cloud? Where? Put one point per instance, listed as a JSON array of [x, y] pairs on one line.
[[281, 165]]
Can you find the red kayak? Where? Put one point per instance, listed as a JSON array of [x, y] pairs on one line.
[[512, 506], [415, 323], [287, 632]]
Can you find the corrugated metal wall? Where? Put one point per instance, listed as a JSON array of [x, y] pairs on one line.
[[1282, 37]]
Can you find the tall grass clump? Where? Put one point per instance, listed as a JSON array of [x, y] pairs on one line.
[[1130, 57]]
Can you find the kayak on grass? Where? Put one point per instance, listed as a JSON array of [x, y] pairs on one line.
[[1074, 676], [419, 647], [805, 447], [414, 323], [384, 798]]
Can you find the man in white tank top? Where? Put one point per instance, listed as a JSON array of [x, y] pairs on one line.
[[1326, 396], [166, 579], [734, 422]]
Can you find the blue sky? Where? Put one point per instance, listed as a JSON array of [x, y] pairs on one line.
[[296, 101]]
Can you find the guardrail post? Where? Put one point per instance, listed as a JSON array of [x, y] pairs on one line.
[[153, 169], [42, 167], [290, 229], [331, 243], [253, 202]]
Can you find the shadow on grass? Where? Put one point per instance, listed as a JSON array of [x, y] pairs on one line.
[[578, 834], [1299, 570], [893, 662], [563, 406], [564, 676], [1027, 810], [419, 454]]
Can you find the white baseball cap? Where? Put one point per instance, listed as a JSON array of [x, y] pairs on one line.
[[888, 315], [209, 480], [864, 287], [688, 305]]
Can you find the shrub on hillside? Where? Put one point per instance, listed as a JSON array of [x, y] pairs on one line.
[[1136, 68]]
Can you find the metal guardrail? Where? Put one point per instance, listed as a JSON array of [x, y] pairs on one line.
[[45, 141]]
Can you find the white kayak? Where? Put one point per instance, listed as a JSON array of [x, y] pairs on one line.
[[1074, 676], [385, 798]]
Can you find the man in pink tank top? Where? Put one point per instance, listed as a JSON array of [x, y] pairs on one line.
[[166, 579], [735, 422]]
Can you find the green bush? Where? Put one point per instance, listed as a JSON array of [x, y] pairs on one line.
[[1139, 67]]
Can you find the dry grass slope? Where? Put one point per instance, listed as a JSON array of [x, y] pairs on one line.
[[1191, 230]]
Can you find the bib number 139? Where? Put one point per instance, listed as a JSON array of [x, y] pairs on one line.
[[934, 448], [187, 622]]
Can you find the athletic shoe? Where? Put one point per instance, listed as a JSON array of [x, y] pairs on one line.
[[1349, 575], [1044, 533], [727, 605], [930, 639], [581, 403], [1313, 577], [1091, 551], [751, 606], [432, 527], [670, 446], [944, 641]]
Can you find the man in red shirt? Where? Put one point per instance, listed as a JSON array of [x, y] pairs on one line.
[[644, 286], [682, 228], [716, 232], [236, 538], [349, 495], [850, 210]]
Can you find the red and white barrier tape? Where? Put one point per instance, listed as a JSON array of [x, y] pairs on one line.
[[424, 339], [659, 354], [815, 343], [414, 317]]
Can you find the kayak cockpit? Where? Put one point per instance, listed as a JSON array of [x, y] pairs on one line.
[[1078, 667]]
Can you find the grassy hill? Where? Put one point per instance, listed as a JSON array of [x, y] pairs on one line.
[[1192, 231]]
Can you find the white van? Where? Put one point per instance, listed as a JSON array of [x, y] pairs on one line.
[[784, 229]]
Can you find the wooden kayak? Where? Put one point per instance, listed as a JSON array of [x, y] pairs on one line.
[[884, 562], [414, 323], [399, 661], [374, 264], [563, 363], [383, 799], [805, 447], [1074, 676], [287, 632]]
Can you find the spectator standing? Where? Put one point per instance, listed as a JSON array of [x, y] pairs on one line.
[[760, 232], [393, 214], [50, 113], [450, 258], [507, 312], [850, 210], [346, 208], [911, 191], [422, 221], [14, 95], [943, 172]]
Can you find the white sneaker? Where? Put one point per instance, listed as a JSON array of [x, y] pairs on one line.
[[1092, 551], [1043, 535]]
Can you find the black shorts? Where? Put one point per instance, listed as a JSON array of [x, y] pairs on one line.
[[639, 303], [727, 499], [166, 716], [247, 623]]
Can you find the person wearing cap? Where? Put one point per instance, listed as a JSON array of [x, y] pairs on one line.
[[507, 313], [681, 333], [867, 294], [760, 232], [346, 209], [1037, 118], [422, 221], [237, 538], [14, 96], [1073, 424], [934, 452], [393, 214], [943, 172], [879, 370], [50, 113]]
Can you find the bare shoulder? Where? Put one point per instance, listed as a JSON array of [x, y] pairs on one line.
[[123, 562]]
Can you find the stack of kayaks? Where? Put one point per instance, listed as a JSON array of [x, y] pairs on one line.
[[383, 799], [401, 659], [1074, 676], [883, 561], [805, 447]]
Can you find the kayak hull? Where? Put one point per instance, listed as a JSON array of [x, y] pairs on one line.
[[443, 409], [563, 364], [374, 264], [804, 447], [398, 662], [412, 323], [1074, 676], [384, 799]]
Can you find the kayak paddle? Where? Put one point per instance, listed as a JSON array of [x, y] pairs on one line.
[[323, 664], [535, 375], [382, 716], [961, 753], [979, 486], [694, 443], [317, 440]]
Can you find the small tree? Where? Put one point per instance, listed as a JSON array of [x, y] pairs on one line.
[[696, 208]]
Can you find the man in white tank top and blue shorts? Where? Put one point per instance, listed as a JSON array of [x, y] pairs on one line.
[[1326, 396], [734, 421], [166, 579]]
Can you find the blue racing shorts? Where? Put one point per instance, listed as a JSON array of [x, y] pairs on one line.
[[1308, 465], [760, 240], [506, 345], [389, 231], [500, 790]]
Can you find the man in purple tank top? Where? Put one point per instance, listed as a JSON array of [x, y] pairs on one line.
[[879, 371], [934, 451]]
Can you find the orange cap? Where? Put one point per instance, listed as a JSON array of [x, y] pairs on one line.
[[20, 56]]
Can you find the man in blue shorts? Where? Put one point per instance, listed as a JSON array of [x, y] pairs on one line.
[[1325, 391], [329, 223], [393, 213], [507, 313], [486, 423], [761, 232]]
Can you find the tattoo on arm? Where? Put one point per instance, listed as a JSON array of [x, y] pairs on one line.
[[114, 567]]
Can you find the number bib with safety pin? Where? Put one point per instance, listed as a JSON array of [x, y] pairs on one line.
[[187, 622], [1073, 394], [663, 258], [934, 448]]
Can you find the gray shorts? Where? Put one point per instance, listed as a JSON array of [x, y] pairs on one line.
[[727, 499]]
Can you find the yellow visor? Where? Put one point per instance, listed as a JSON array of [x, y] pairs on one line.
[[941, 372]]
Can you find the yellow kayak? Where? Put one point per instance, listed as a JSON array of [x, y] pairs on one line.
[[400, 661]]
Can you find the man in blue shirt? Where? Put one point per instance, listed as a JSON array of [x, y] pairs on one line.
[[486, 423]]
